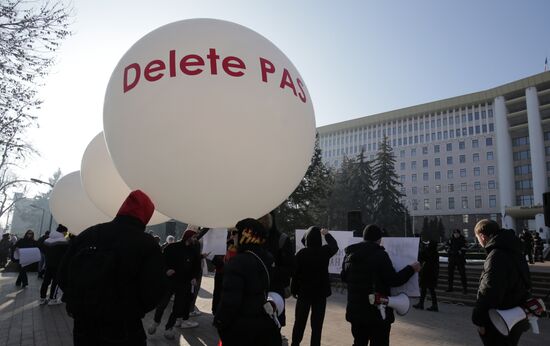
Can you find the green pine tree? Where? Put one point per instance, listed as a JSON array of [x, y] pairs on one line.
[[361, 187], [389, 211]]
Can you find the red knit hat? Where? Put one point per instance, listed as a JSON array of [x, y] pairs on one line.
[[138, 205], [188, 234]]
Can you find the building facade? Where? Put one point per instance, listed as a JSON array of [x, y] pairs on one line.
[[481, 155]]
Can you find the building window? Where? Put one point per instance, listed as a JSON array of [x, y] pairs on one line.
[[522, 155], [525, 200], [489, 141], [414, 190], [451, 202], [402, 165], [425, 176], [450, 174], [413, 178], [463, 172], [425, 150], [437, 161], [491, 170], [449, 160], [438, 203], [402, 178], [413, 164], [426, 189], [425, 163], [519, 141], [493, 201], [477, 171], [478, 202], [402, 153], [413, 152], [491, 185], [436, 148], [490, 156], [475, 143], [451, 187], [462, 158], [462, 144], [438, 188], [437, 175], [463, 187], [426, 204], [465, 218], [475, 157], [525, 184], [464, 202], [449, 146]]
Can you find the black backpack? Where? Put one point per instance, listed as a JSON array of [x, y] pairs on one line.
[[92, 286]]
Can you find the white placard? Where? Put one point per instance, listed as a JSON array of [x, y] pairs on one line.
[[402, 252], [27, 256], [214, 241]]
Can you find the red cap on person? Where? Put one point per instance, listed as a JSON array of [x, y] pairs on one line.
[[138, 205]]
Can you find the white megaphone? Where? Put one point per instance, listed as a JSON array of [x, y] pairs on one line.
[[400, 303], [505, 320]]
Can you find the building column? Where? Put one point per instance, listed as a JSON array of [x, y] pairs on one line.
[[538, 157], [505, 165]]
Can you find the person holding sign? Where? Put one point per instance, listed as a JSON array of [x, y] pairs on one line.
[[368, 269], [310, 283], [24, 243]]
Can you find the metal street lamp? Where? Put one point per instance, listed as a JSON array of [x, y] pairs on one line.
[[42, 219], [38, 181]]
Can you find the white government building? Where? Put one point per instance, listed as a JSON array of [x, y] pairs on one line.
[[481, 155]]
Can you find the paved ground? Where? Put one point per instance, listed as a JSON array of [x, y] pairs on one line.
[[24, 323]]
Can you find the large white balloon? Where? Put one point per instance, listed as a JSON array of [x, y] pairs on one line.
[[211, 119], [71, 207], [102, 183]]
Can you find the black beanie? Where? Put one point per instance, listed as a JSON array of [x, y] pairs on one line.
[[251, 232], [372, 233], [61, 228]]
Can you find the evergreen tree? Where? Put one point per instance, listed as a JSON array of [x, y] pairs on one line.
[[340, 201], [389, 212], [307, 205], [361, 187]]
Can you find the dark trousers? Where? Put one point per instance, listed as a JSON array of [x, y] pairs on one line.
[[529, 253], [50, 277], [423, 295], [538, 254], [22, 277], [378, 333], [195, 294], [318, 307], [216, 295], [108, 333], [492, 337], [182, 302], [459, 262]]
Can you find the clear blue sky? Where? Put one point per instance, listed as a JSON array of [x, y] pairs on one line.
[[357, 57]]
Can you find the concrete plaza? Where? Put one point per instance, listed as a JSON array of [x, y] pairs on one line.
[[25, 323]]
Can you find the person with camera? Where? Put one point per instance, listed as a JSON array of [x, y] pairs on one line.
[[368, 269], [505, 281]]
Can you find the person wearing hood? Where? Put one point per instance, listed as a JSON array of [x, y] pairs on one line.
[[24, 243], [456, 249], [368, 269], [169, 240], [310, 283], [55, 247], [428, 256], [112, 275], [182, 268], [504, 284], [241, 317]]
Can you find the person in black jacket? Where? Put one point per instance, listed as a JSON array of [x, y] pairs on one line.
[[527, 239], [42, 263], [138, 281], [241, 318], [54, 249], [505, 281], [311, 285], [368, 269], [183, 266], [456, 248], [429, 258], [26, 242], [5, 245], [538, 248], [280, 247]]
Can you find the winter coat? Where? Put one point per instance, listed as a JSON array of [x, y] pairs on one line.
[[367, 269], [505, 280], [139, 266], [283, 257], [429, 258], [185, 260], [55, 248], [240, 313], [5, 246], [455, 249], [311, 279]]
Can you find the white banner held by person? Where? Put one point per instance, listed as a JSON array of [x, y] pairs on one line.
[[214, 241], [27, 256], [402, 252]]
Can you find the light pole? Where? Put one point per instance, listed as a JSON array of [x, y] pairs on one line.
[[38, 181], [41, 220]]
